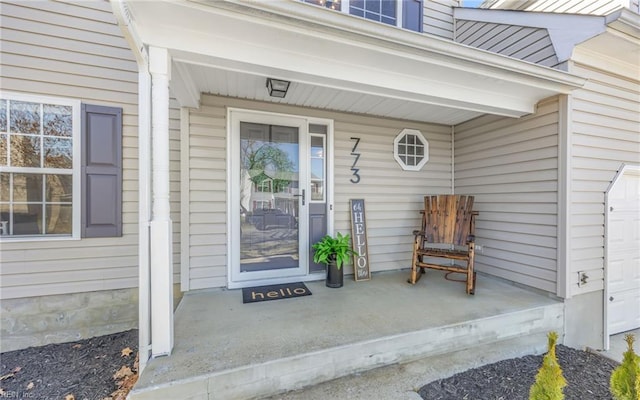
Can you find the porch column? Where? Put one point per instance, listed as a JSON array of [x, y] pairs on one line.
[[160, 226]]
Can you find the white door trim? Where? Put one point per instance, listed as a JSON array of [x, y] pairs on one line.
[[233, 201], [624, 168]]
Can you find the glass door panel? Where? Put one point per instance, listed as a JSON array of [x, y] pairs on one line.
[[270, 198]]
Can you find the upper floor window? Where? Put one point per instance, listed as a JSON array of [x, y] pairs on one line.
[[403, 13], [332, 4], [377, 10], [39, 139]]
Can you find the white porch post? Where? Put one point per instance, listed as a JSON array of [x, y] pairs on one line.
[[161, 231]]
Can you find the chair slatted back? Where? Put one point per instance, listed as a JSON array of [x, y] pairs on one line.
[[447, 218]]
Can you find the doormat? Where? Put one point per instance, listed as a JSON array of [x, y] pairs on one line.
[[274, 292]]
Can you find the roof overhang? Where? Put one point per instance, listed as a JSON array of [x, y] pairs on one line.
[[619, 44], [379, 69], [615, 36], [565, 30]]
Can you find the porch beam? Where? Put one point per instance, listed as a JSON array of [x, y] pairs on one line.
[[273, 39], [161, 229]]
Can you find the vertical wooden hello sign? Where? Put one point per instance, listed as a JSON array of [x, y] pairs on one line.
[[359, 239]]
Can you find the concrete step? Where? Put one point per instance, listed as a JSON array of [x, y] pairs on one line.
[[520, 332], [403, 380]]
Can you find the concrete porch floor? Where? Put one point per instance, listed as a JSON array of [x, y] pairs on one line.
[[225, 349]]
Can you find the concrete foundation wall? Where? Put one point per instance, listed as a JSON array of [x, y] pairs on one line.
[[583, 321], [36, 321]]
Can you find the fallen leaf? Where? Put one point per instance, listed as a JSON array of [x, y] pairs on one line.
[[30, 386], [2, 392], [124, 387], [7, 376], [122, 373], [17, 369], [77, 346], [126, 352], [69, 397]]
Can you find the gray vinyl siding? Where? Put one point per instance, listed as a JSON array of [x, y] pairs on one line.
[[438, 17], [605, 133], [511, 166], [74, 50], [524, 43], [393, 196]]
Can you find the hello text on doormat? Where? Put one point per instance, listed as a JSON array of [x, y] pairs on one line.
[[274, 292]]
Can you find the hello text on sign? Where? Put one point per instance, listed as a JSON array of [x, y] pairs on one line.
[[359, 238]]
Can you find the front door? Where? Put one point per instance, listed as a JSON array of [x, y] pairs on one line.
[[270, 200]]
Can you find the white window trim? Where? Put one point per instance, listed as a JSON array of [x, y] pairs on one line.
[[402, 164], [77, 154]]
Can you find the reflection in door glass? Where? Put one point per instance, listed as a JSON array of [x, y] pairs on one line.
[[317, 167], [269, 189]]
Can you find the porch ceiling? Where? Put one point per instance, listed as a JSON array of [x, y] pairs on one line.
[[334, 61]]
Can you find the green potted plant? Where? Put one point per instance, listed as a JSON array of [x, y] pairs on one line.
[[334, 252]]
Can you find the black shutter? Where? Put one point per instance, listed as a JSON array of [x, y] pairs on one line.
[[412, 15], [101, 171]]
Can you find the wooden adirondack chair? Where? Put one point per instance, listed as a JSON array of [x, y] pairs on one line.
[[446, 240]]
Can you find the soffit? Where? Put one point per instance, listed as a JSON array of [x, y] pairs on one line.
[[591, 7], [335, 61]]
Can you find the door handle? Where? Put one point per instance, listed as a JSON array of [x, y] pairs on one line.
[[301, 195]]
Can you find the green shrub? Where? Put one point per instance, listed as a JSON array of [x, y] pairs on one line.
[[549, 380], [625, 379]]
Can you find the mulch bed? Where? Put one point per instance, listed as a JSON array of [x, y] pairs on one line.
[[587, 377], [77, 370]]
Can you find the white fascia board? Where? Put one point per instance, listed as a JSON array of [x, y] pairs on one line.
[[328, 48], [384, 36], [626, 22], [123, 17], [565, 30]]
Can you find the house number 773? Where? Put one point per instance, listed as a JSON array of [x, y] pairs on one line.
[[356, 175]]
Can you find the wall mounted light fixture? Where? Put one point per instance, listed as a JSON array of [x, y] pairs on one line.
[[277, 87]]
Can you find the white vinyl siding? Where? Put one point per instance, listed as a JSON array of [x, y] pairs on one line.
[[525, 43], [511, 166], [393, 196], [605, 134], [207, 200], [74, 50], [438, 17]]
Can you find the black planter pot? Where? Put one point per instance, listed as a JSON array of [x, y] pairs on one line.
[[335, 276]]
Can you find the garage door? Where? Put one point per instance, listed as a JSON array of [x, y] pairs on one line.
[[623, 252]]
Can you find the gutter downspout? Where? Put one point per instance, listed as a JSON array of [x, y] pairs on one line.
[[122, 15], [144, 213]]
